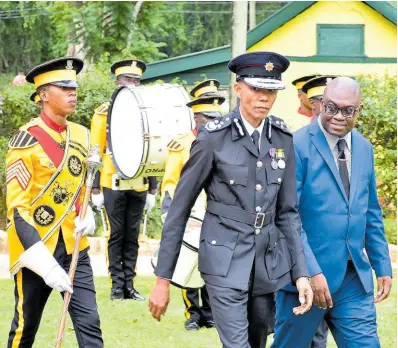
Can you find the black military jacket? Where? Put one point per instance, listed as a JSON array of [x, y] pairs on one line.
[[251, 217]]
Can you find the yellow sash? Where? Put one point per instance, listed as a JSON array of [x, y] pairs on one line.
[[57, 199]]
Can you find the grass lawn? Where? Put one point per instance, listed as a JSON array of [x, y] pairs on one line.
[[128, 324]]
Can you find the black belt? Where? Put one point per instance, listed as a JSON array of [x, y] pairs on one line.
[[257, 220]]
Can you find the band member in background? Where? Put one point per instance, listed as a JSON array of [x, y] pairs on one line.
[[206, 107], [45, 174], [304, 112], [36, 99], [250, 240], [314, 89], [124, 201]]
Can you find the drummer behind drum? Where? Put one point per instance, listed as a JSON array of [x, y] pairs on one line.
[[124, 200], [206, 106]]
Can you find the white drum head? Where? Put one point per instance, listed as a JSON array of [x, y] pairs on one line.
[[125, 133]]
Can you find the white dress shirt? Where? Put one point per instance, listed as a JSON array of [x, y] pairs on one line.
[[250, 129]]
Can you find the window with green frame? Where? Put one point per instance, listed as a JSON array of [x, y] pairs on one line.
[[346, 40]]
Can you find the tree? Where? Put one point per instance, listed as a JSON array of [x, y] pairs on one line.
[[197, 25], [23, 27], [32, 32], [111, 29]]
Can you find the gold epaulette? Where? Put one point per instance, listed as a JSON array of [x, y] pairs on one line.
[[175, 145], [22, 140], [102, 109]]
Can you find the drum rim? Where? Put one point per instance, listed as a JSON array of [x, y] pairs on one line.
[[109, 134], [146, 148], [179, 285], [189, 246]]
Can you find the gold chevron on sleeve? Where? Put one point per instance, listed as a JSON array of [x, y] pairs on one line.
[[18, 171]]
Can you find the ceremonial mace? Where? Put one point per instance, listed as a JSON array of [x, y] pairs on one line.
[[93, 164]]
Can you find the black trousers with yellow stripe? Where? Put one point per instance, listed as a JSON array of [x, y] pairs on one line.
[[31, 295], [193, 309]]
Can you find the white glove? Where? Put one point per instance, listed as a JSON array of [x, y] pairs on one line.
[[150, 202], [98, 199], [87, 225], [39, 260], [163, 217], [59, 280]]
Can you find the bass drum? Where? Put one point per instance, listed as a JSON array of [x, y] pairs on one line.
[[186, 274], [141, 122]]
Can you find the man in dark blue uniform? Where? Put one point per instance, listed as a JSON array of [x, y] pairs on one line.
[[250, 244]]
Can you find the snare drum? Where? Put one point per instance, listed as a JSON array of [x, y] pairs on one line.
[[186, 274], [141, 122]]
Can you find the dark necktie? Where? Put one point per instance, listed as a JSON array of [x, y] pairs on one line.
[[343, 166], [256, 138]]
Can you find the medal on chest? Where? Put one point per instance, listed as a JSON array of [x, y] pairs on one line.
[[280, 156], [272, 153]]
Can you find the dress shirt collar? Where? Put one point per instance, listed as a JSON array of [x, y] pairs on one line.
[[250, 129]]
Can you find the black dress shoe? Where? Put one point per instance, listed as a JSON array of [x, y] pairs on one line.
[[117, 294], [191, 325], [209, 324], [132, 294]]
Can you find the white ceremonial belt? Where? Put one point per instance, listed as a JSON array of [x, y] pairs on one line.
[[119, 184]]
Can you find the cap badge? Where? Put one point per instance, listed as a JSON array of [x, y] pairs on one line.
[[134, 63], [215, 102], [69, 64], [211, 83], [269, 66]]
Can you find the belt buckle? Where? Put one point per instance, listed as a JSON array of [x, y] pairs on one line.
[[259, 222]]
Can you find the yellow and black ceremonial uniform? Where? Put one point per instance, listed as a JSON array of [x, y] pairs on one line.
[[45, 176], [124, 208], [40, 206]]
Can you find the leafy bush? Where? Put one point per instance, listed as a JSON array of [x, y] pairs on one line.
[[97, 86], [390, 227], [378, 123], [17, 108], [5, 80], [154, 222]]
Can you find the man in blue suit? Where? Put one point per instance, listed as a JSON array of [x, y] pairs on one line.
[[342, 228]]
